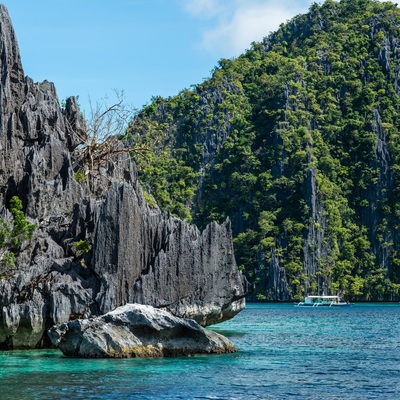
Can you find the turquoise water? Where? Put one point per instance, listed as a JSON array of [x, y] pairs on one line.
[[285, 352]]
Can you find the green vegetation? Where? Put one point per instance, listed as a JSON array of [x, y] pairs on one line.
[[12, 234], [298, 142], [80, 248], [80, 177]]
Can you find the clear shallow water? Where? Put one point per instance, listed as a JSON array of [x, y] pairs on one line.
[[285, 352]]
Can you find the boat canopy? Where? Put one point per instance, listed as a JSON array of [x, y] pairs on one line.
[[313, 299]]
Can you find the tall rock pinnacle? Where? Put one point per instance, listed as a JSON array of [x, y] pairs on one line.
[[138, 254]]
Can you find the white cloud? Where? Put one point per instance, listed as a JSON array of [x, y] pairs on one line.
[[248, 24], [234, 24]]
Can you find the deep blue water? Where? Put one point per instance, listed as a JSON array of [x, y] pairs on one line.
[[285, 352]]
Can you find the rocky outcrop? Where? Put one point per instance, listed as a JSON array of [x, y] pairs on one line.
[[136, 330], [173, 265], [138, 254]]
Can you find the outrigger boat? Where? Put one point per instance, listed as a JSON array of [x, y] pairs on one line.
[[323, 301]]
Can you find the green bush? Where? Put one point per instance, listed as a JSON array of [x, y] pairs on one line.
[[12, 234]]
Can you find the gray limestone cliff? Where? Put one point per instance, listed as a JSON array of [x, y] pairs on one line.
[[138, 253]]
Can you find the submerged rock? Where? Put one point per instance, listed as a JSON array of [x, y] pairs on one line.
[[136, 330]]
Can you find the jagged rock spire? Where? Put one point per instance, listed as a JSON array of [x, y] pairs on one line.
[[138, 254]]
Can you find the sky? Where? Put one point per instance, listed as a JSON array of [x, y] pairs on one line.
[[145, 48]]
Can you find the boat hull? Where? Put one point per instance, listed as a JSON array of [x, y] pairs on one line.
[[323, 301], [323, 305]]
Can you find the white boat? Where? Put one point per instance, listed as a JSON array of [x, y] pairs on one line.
[[323, 301]]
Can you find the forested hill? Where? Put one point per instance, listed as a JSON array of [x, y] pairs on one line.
[[297, 142]]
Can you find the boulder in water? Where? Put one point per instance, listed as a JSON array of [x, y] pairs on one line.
[[136, 330]]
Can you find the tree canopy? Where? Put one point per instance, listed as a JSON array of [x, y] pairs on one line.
[[298, 142]]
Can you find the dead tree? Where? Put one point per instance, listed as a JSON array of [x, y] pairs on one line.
[[102, 141]]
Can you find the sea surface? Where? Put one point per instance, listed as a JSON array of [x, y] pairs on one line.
[[285, 352]]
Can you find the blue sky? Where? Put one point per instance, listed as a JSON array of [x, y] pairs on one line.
[[144, 47]]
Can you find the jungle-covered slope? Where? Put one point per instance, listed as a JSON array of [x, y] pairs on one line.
[[297, 141]]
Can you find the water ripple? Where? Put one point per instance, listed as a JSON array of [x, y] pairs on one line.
[[284, 353]]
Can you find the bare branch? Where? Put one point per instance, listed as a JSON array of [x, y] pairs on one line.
[[101, 144]]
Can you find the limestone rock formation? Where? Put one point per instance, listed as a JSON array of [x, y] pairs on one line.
[[138, 254], [136, 330]]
